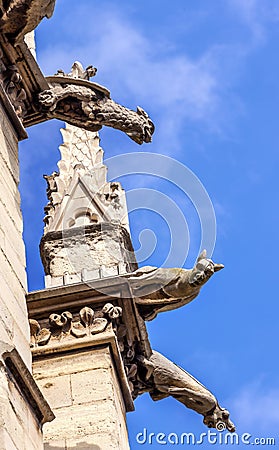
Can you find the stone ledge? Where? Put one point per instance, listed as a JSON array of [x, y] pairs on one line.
[[20, 375], [74, 295]]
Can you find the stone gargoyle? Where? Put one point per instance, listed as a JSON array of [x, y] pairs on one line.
[[161, 289], [162, 378], [79, 102]]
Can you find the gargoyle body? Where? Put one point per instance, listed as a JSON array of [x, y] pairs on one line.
[[160, 289], [162, 378], [22, 16], [88, 105]]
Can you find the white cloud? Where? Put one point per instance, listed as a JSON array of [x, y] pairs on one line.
[[256, 15], [171, 85], [256, 408]]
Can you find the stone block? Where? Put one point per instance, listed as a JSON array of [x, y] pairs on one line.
[[57, 391], [90, 247], [13, 284], [6, 442], [34, 435], [9, 192], [22, 344], [16, 261], [84, 391], [11, 421], [63, 365], [12, 308], [9, 148], [92, 385], [77, 421], [12, 221], [6, 321]]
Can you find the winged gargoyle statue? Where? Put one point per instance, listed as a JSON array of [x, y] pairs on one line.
[[161, 289], [162, 378], [77, 101], [156, 290]]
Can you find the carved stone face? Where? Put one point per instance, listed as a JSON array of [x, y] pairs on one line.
[[147, 128], [219, 419], [203, 270]]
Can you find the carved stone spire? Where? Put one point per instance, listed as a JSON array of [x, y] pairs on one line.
[[79, 193], [86, 233]]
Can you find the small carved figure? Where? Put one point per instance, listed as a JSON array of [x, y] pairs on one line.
[[79, 72], [160, 289], [162, 378]]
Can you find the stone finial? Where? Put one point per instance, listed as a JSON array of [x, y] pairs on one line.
[[78, 71], [79, 193]]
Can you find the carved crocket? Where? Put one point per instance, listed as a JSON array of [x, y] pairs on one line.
[[160, 289], [162, 378], [74, 99]]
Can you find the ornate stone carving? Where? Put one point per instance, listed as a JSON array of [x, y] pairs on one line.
[[63, 325], [13, 87], [38, 335], [111, 311], [160, 289], [82, 103], [19, 17], [78, 72], [162, 378], [12, 83], [81, 169]]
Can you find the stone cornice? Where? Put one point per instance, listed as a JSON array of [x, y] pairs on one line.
[[41, 303]]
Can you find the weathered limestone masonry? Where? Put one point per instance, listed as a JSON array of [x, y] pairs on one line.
[[22, 407]]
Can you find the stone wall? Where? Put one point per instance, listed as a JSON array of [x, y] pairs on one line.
[[13, 312], [86, 399], [19, 425]]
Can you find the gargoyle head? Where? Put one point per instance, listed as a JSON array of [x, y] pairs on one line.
[[219, 418], [145, 128], [203, 270]]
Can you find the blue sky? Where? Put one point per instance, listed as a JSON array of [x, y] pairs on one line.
[[207, 73]]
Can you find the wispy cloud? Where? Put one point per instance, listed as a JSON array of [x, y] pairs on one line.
[[173, 86], [257, 408], [256, 15]]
